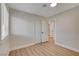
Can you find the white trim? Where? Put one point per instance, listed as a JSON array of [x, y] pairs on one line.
[[68, 47], [19, 47]]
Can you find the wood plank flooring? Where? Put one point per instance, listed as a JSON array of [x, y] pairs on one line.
[[43, 49]]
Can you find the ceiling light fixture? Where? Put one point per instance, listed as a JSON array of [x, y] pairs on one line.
[[53, 4]]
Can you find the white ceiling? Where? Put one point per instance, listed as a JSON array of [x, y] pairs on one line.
[[38, 9]]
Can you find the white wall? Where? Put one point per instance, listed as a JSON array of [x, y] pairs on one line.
[[67, 28], [25, 28], [4, 42]]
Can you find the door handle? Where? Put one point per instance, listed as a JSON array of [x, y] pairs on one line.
[[42, 32]]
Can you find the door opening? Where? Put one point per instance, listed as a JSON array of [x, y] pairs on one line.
[[51, 27]]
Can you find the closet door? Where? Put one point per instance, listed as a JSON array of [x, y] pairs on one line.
[[44, 30], [38, 31]]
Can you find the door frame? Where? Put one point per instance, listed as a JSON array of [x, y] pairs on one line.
[[54, 32]]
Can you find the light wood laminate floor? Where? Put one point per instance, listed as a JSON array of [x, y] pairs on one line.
[[43, 49]]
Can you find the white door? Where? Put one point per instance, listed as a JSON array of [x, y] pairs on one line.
[[38, 31], [44, 31]]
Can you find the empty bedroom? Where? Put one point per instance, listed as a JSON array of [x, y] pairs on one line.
[[39, 29]]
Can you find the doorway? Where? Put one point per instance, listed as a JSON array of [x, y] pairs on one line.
[[51, 28]]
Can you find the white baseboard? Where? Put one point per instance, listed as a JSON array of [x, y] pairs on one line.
[[65, 46], [23, 46]]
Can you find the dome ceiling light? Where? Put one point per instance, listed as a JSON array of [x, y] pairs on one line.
[[50, 5], [53, 4]]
